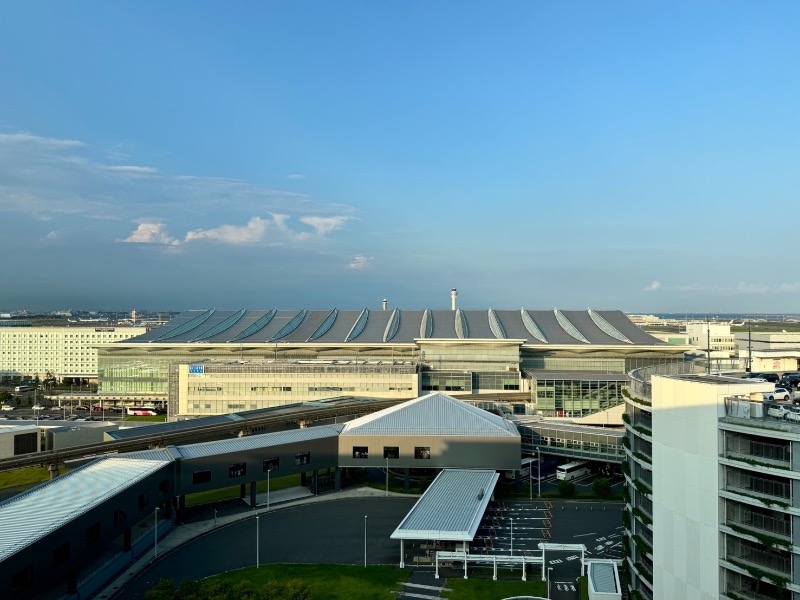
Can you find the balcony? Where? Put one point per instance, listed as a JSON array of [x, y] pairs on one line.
[[746, 554], [742, 482], [757, 522]]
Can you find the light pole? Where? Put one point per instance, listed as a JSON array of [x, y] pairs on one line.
[[257, 541], [155, 533], [215, 517], [365, 540], [268, 470], [538, 472], [512, 536], [548, 580], [387, 476]]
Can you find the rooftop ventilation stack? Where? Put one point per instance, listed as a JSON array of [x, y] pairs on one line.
[[454, 299]]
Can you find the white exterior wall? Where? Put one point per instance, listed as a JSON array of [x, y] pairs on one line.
[[723, 342], [685, 486], [63, 351]]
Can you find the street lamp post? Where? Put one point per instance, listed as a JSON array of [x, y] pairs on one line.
[[257, 558], [268, 470], [387, 476], [215, 517], [538, 472], [548, 580], [512, 536], [155, 533], [365, 540]]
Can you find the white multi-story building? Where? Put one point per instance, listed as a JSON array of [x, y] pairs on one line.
[[64, 352], [703, 333], [713, 506]]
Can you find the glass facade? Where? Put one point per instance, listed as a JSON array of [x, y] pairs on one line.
[[575, 397]]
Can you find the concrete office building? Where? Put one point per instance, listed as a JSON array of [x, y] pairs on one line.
[[63, 352], [713, 490], [769, 350], [408, 351]]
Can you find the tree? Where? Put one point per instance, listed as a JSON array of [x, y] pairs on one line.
[[602, 487], [566, 489]]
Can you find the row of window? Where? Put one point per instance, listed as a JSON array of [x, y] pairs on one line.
[[393, 452], [240, 469]]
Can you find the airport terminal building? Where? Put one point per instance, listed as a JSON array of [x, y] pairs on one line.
[[206, 362]]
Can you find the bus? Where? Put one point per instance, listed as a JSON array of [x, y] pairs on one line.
[[24, 388], [141, 411], [573, 470]]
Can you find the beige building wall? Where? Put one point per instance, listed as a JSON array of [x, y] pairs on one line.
[[62, 351], [249, 386]]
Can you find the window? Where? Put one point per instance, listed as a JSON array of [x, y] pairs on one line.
[[391, 452], [143, 501], [203, 476], [422, 452], [25, 443], [360, 452], [120, 516], [303, 458], [237, 470], [272, 464]]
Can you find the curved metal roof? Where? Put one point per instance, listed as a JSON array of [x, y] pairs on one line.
[[334, 326]]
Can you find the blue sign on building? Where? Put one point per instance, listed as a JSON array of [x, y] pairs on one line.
[[196, 369]]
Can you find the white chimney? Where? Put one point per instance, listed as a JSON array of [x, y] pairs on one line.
[[385, 304], [454, 298]]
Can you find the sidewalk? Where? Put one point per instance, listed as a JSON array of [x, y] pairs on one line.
[[182, 534]]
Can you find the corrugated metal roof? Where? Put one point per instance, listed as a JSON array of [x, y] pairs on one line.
[[33, 514], [574, 375], [131, 433], [432, 414], [254, 442], [451, 508], [603, 577], [575, 328]]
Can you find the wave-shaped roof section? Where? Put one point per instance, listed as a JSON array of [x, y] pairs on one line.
[[375, 328], [275, 324], [607, 327], [496, 325], [251, 323], [392, 326], [620, 322], [408, 330], [289, 327], [306, 327], [478, 325], [462, 328], [590, 329], [173, 324], [222, 325], [550, 328], [340, 328], [426, 324], [444, 324], [531, 327], [324, 327], [179, 333], [358, 326], [569, 327]]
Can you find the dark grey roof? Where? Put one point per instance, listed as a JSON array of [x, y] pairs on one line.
[[255, 442], [332, 326]]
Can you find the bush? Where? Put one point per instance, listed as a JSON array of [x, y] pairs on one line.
[[602, 488], [566, 489]]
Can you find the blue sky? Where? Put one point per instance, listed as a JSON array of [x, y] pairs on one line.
[[634, 155]]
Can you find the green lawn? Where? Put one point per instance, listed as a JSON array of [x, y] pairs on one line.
[[330, 582], [25, 477], [154, 419], [231, 493], [486, 589]]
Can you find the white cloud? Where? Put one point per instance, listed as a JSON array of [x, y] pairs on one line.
[[131, 170], [324, 225], [253, 232], [653, 287], [17, 139], [152, 233], [360, 263]]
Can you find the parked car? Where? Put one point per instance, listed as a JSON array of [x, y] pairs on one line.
[[6, 407], [779, 394], [81, 407], [793, 414], [37, 407], [756, 380], [790, 380], [778, 411]]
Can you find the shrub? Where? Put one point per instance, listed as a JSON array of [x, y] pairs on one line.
[[566, 489]]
